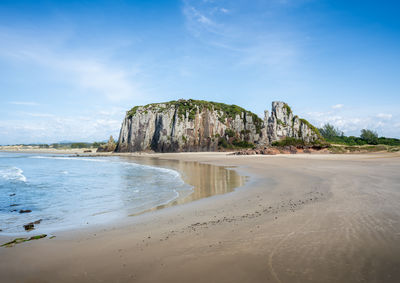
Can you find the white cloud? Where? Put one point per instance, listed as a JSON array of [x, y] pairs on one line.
[[273, 53], [225, 11], [317, 114], [48, 128], [39, 115], [198, 23], [114, 83], [271, 48], [384, 116], [337, 106], [352, 125], [82, 70], [89, 74], [25, 103]]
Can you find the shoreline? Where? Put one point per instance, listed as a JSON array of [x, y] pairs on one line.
[[298, 212], [337, 149], [189, 172]]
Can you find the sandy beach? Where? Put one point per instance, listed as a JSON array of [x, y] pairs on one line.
[[294, 218]]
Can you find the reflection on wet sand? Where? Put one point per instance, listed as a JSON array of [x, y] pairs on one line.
[[207, 180]]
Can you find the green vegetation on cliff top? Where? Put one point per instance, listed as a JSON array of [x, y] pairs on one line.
[[288, 109], [314, 129]]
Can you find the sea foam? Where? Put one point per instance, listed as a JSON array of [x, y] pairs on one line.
[[69, 191], [12, 174]]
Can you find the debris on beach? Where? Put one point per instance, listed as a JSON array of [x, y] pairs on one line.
[[22, 240], [273, 150], [264, 151], [30, 226]]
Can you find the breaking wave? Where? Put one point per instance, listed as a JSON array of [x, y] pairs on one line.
[[12, 174]]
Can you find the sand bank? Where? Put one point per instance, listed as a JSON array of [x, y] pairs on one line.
[[300, 218]]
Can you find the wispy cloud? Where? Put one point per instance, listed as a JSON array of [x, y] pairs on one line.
[[47, 128], [351, 124], [270, 47], [25, 103], [85, 72], [39, 115], [385, 116], [199, 22], [225, 11], [337, 106], [82, 70]]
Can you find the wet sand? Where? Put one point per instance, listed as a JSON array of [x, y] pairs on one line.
[[299, 218]]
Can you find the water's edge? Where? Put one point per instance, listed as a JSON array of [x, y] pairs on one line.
[[206, 180]]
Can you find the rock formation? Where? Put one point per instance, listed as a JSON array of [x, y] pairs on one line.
[[196, 125], [108, 147], [283, 124]]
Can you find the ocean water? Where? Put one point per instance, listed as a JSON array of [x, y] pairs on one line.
[[68, 192]]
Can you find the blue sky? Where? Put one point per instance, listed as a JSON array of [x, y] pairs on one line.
[[70, 69]]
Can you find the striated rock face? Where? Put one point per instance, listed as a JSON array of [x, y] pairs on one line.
[[283, 124], [196, 125]]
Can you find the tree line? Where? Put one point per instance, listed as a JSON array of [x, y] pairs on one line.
[[334, 135]]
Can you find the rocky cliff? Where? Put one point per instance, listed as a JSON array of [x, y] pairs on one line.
[[196, 125], [282, 123]]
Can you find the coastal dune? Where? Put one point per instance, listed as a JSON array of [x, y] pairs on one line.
[[298, 218]]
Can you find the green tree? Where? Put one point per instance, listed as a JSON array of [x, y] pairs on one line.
[[230, 133], [329, 131], [79, 145], [56, 145], [97, 144], [371, 137]]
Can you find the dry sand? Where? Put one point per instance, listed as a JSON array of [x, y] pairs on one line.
[[299, 218]]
